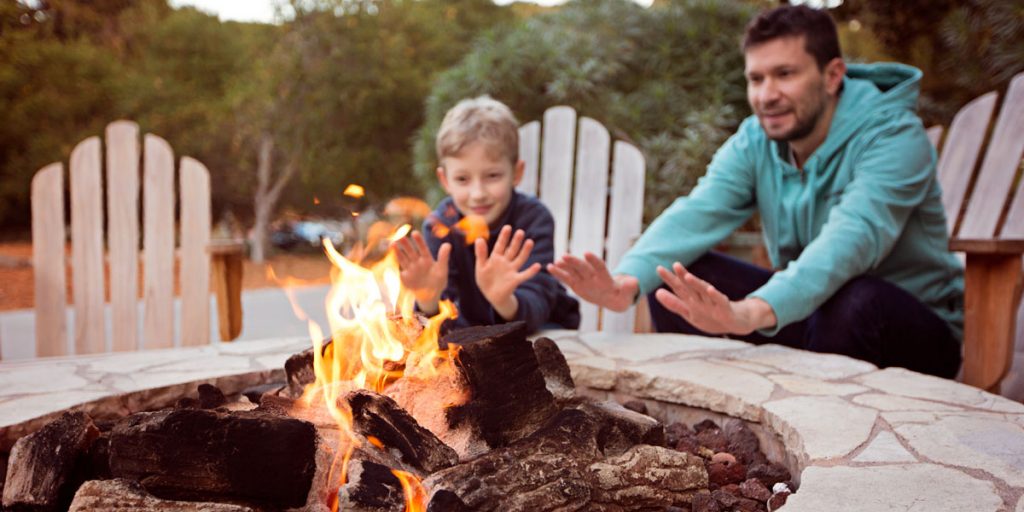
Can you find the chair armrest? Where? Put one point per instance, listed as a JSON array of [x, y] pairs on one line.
[[987, 246], [226, 269]]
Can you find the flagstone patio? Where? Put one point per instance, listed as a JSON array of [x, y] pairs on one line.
[[855, 437]]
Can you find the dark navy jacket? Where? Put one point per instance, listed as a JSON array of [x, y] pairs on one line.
[[542, 299]]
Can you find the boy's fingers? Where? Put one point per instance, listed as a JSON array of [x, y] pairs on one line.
[[502, 242], [443, 253], [530, 271], [421, 244], [480, 248], [524, 254], [517, 243]]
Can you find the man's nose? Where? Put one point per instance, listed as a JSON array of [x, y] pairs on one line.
[[767, 93]]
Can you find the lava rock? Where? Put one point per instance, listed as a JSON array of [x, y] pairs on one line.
[[753, 488], [768, 473], [676, 431], [704, 503], [211, 397], [723, 473]]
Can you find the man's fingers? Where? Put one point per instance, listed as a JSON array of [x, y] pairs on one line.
[[672, 303], [561, 275], [596, 264]]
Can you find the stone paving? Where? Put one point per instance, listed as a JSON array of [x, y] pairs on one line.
[[858, 438]]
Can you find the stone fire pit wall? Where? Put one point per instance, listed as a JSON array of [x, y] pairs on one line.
[[856, 438]]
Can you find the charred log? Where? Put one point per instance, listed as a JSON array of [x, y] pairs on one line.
[[211, 397], [554, 368], [299, 371], [46, 466], [115, 495], [622, 428], [202, 455], [447, 501], [370, 487], [509, 396], [560, 467], [380, 417]]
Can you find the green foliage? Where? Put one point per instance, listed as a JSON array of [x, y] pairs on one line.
[[668, 79]]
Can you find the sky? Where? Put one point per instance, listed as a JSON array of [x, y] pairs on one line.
[[263, 10]]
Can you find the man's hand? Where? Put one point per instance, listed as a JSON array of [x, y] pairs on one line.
[[590, 279], [708, 309], [498, 275], [419, 272]]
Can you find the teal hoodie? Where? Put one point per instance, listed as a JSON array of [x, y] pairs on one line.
[[867, 202]]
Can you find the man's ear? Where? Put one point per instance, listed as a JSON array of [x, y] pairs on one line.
[[517, 173], [443, 178], [834, 72]]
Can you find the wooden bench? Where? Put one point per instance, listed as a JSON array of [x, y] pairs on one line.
[[95, 245], [986, 219], [569, 169]]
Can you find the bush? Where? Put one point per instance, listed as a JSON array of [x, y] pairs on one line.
[[667, 78]]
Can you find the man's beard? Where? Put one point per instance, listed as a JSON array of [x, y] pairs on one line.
[[803, 127]]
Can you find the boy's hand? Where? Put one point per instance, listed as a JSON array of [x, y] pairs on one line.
[[419, 272], [590, 279], [498, 275]]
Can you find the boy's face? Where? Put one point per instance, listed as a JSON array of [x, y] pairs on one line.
[[481, 182]]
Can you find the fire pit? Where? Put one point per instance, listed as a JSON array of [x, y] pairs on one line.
[[856, 438]]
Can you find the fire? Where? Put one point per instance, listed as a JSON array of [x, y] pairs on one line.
[[376, 338], [472, 226], [355, 191]]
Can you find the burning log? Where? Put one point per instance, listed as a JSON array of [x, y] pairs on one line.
[[554, 368], [115, 495], [370, 487], [380, 417], [299, 371], [560, 467], [206, 455], [509, 396], [622, 428], [45, 466]]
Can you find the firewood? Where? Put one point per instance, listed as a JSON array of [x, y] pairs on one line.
[[370, 487], [509, 397], [45, 467], [560, 467], [201, 455], [379, 416], [299, 371], [622, 428], [555, 368], [115, 495]]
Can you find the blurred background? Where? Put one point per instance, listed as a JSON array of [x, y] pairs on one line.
[[320, 94]]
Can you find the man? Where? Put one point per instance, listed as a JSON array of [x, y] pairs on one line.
[[838, 166]]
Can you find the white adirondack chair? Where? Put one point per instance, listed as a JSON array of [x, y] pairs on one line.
[[590, 215], [88, 251]]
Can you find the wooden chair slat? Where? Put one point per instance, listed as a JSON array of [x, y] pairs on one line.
[[1013, 228], [87, 247], [158, 242], [529, 153], [590, 202], [960, 153], [556, 170], [625, 221], [48, 260], [195, 261], [999, 168], [123, 232]]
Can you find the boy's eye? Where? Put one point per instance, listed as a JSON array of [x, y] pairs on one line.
[[461, 179]]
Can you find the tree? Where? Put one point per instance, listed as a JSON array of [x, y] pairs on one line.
[[668, 78]]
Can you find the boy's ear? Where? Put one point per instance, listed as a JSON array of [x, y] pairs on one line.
[[443, 178], [517, 173]]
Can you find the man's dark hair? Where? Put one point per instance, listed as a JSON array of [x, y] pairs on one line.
[[817, 27]]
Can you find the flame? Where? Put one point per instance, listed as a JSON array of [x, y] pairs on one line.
[[316, 200], [375, 339], [355, 191], [471, 226], [415, 494]]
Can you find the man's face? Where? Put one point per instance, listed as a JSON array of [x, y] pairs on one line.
[[480, 181], [786, 89]]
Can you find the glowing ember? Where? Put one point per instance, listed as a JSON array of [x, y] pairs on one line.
[[354, 190], [376, 339]]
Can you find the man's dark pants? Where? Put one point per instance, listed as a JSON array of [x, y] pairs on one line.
[[868, 319]]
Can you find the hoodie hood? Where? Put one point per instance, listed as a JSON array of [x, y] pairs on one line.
[[870, 91]]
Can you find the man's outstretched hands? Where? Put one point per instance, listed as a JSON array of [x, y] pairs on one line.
[[590, 279], [419, 272], [498, 274], [708, 309]]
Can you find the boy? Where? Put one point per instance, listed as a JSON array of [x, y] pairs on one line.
[[500, 278]]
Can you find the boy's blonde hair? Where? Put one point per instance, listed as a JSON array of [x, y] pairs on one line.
[[482, 119]]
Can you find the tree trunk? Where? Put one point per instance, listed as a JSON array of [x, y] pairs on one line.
[[267, 195]]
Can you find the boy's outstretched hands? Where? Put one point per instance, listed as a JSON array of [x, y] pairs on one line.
[[591, 280], [419, 272], [498, 274]]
